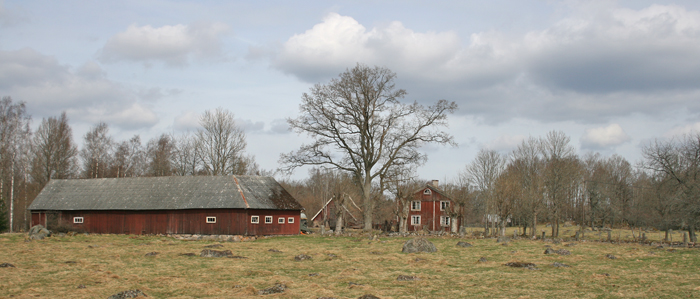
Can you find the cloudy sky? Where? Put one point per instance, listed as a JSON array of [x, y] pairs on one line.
[[612, 75]]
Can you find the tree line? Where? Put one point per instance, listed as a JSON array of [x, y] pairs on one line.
[[30, 159]]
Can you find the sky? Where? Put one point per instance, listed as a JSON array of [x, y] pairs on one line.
[[612, 75]]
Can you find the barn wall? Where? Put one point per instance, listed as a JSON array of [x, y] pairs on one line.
[[228, 222]]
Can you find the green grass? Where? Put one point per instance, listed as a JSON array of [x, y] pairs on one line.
[[117, 263]]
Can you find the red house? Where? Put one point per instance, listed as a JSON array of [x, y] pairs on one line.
[[213, 205], [432, 210]]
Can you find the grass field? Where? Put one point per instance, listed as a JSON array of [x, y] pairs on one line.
[[342, 267]]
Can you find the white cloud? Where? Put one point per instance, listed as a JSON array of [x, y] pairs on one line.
[[596, 63], [505, 143], [49, 87], [174, 45], [604, 137], [683, 130], [186, 121]]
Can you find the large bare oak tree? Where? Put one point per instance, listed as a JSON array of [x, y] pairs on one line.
[[358, 125]]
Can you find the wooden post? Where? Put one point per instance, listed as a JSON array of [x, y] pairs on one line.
[[323, 229], [542, 235], [685, 239], [576, 237]]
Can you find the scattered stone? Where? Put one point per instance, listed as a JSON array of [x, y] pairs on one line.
[[214, 246], [557, 241], [418, 245], [505, 244], [7, 265], [330, 255], [530, 266], [483, 260], [407, 278], [419, 259], [570, 244], [610, 256], [188, 254], [93, 246], [376, 252], [302, 257], [463, 244], [38, 232], [558, 264], [350, 284], [313, 274], [605, 274], [237, 257], [514, 252], [563, 252], [549, 251], [238, 286], [274, 250], [215, 253], [277, 288], [502, 239], [81, 286], [368, 296], [154, 253], [71, 262], [127, 294]]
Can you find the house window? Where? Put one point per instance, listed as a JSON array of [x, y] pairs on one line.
[[268, 219], [290, 220], [415, 220], [78, 219], [211, 219], [444, 205], [415, 205], [445, 220], [254, 219], [427, 192], [280, 220]]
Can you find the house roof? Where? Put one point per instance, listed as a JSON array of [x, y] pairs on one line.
[[433, 189], [165, 193]]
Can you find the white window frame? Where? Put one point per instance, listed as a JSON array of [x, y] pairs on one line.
[[255, 219], [280, 220], [268, 219], [211, 219], [414, 218], [415, 203], [444, 205], [445, 220], [78, 220], [427, 192], [290, 220]]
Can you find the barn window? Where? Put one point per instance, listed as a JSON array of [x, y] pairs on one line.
[[280, 220], [444, 205], [254, 219], [290, 220], [415, 205], [445, 220], [415, 220], [427, 192], [78, 219], [211, 219], [268, 219]]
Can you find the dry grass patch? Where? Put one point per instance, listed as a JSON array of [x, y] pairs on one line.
[[341, 267]]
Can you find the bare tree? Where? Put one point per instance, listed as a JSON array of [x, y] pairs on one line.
[[55, 153], [561, 170], [185, 159], [482, 173], [129, 159], [14, 143], [160, 153], [677, 162], [220, 143], [528, 165], [359, 126], [97, 152]]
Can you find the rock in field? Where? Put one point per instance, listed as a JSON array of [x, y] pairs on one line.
[[38, 232], [302, 257], [418, 245], [215, 253], [277, 288], [127, 294], [463, 244]]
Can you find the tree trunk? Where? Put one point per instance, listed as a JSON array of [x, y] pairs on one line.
[[691, 233], [339, 224], [367, 202], [12, 195], [534, 225]]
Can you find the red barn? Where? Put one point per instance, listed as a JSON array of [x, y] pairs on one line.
[[432, 210], [211, 205]]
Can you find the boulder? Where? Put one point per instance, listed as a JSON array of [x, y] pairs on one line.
[[215, 253], [502, 239], [127, 294], [302, 257], [549, 251], [277, 288], [463, 244], [418, 245], [38, 232]]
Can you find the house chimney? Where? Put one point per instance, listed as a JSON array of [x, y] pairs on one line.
[[434, 183]]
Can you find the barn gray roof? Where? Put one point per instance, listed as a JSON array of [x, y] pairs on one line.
[[165, 193]]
